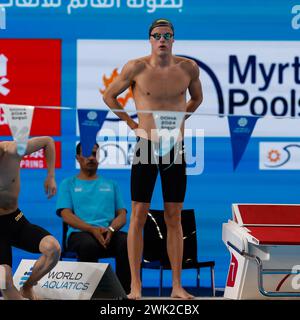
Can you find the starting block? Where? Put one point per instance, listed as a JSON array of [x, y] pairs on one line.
[[264, 243]]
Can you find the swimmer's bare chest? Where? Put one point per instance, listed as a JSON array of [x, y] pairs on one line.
[[157, 89], [163, 90]]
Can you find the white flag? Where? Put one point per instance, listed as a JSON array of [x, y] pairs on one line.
[[168, 126], [19, 119]]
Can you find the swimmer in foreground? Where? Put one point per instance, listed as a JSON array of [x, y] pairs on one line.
[[159, 82], [15, 229]]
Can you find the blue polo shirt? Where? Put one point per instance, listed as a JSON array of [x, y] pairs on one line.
[[93, 201]]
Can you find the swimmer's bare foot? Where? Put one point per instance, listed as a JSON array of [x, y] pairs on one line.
[[28, 293], [180, 293], [135, 292]]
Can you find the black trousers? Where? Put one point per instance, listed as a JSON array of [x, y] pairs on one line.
[[89, 249]]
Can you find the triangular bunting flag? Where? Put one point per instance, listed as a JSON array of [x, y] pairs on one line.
[[90, 122], [241, 128], [19, 119]]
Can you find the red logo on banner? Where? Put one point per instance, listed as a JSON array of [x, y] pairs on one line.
[[37, 159], [30, 74]]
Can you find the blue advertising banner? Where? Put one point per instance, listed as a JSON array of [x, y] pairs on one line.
[[128, 19]]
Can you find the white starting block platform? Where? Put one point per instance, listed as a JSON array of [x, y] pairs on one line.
[[264, 243]]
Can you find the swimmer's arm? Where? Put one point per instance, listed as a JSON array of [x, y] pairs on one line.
[[46, 143], [195, 89], [119, 85]]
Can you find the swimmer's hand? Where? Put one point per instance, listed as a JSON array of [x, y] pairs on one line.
[[50, 186], [132, 124], [135, 127]]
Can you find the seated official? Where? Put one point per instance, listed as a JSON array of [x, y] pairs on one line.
[[93, 208]]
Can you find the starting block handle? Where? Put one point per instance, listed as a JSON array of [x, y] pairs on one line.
[[280, 271], [262, 272]]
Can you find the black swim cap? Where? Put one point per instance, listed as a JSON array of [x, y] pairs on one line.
[[160, 23]]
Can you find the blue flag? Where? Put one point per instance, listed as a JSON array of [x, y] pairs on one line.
[[241, 128], [90, 122]]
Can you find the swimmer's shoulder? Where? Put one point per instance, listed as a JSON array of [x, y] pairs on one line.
[[8, 147], [188, 65], [134, 67], [138, 65]]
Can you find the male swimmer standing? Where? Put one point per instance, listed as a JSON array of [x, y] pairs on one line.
[[159, 82], [15, 229]]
